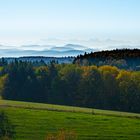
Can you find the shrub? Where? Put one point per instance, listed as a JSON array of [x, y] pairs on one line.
[[6, 128], [62, 135]]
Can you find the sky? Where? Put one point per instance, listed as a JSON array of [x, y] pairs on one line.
[[57, 22]]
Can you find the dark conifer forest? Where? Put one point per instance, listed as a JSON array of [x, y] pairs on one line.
[[124, 59]]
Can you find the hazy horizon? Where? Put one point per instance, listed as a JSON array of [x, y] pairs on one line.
[[95, 24]]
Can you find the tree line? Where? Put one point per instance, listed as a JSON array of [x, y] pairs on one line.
[[104, 87]]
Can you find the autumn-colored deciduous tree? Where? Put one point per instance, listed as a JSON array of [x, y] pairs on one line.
[[105, 87]]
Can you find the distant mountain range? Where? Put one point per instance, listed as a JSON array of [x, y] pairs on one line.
[[44, 50]]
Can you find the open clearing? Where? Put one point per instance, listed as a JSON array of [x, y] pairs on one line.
[[33, 121]]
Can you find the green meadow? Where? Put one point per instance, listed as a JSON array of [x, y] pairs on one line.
[[34, 121]]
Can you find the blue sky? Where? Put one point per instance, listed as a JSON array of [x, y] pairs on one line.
[[28, 21]]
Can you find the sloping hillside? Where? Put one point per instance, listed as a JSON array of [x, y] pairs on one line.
[[34, 121]]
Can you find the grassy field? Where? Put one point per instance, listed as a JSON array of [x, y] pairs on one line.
[[33, 121]]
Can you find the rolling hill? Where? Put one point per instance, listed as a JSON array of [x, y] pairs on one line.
[[34, 121]]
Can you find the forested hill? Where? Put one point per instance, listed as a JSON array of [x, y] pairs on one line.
[[37, 60], [124, 58]]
